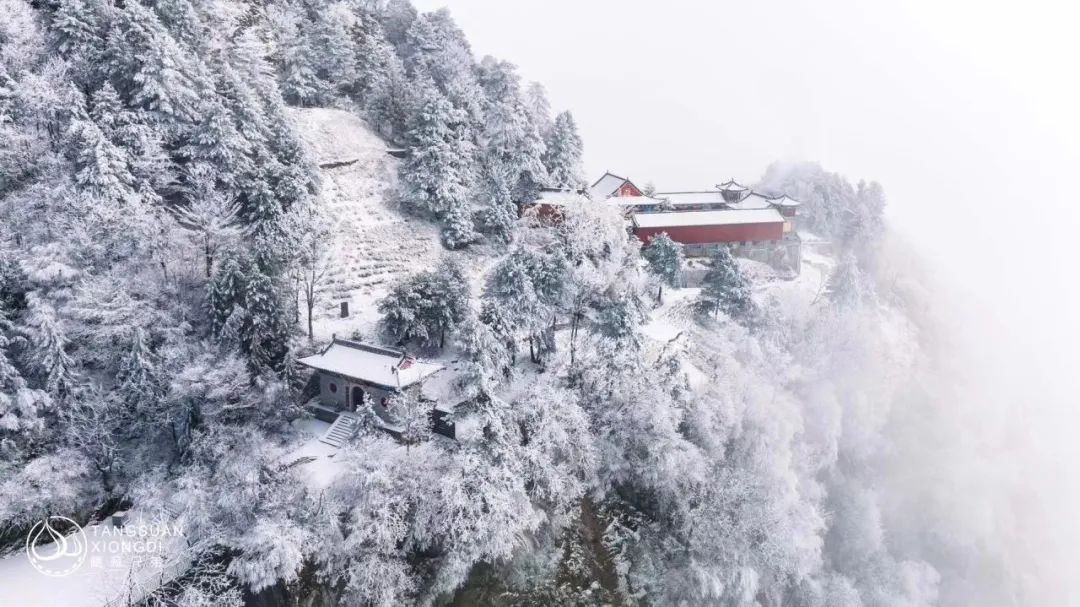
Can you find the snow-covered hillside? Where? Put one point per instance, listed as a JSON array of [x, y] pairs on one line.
[[373, 242]]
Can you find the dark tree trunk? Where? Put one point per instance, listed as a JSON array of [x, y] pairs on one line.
[[107, 481], [573, 336], [310, 327], [209, 257], [309, 299]]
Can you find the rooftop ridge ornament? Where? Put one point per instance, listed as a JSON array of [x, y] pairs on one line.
[[732, 186]]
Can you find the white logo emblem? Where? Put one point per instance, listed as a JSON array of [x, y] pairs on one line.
[[53, 549]]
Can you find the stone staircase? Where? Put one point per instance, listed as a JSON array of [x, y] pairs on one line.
[[342, 430]]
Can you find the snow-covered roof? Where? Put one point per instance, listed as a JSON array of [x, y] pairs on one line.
[[685, 198], [606, 186], [559, 197], [707, 218], [633, 201], [785, 201], [753, 201], [732, 186], [373, 364]]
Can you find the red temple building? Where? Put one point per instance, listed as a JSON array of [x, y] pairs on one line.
[[613, 186], [751, 224], [730, 213]]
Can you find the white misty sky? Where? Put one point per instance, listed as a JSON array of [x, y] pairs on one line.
[[965, 111]]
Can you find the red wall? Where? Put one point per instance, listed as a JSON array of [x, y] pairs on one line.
[[551, 213], [710, 234], [627, 189]]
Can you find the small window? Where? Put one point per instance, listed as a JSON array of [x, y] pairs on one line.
[[333, 387]]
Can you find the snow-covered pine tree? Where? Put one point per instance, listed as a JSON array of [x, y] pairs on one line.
[[511, 143], [77, 26], [214, 142], [510, 288], [139, 384], [436, 50], [334, 47], [210, 214], [107, 109], [665, 258], [439, 172], [265, 335], [426, 307], [230, 335], [46, 355], [156, 72], [536, 102], [14, 285], [413, 415], [22, 408], [844, 287], [186, 24], [396, 17], [497, 215], [459, 229], [563, 153], [724, 288], [865, 220], [488, 346], [616, 318], [381, 85], [101, 167], [225, 290], [130, 131], [294, 57], [528, 287]]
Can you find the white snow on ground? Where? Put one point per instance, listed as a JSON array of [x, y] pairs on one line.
[[120, 568], [668, 320], [314, 460], [373, 242], [804, 290]]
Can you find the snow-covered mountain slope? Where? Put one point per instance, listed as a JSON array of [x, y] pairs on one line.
[[373, 243]]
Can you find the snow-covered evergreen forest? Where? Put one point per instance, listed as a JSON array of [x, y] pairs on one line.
[[163, 263]]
